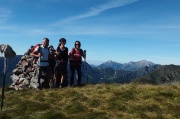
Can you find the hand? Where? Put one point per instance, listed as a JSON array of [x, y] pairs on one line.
[[70, 54], [57, 53], [84, 59], [39, 54], [36, 54]]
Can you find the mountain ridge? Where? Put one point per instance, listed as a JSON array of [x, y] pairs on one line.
[[10, 67], [130, 66], [96, 74], [168, 74]]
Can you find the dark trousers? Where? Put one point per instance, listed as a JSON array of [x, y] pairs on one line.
[[61, 70], [52, 72], [45, 70], [78, 69]]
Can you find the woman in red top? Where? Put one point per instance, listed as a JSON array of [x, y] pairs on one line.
[[76, 55]]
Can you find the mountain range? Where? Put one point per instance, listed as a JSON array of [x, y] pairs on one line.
[[131, 66], [168, 74], [11, 64], [112, 72]]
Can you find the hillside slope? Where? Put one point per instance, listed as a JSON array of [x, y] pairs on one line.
[[94, 102], [168, 74], [11, 65]]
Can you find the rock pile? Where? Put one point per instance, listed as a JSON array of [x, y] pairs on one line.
[[26, 73]]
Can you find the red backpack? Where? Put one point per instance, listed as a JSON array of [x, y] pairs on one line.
[[35, 59]]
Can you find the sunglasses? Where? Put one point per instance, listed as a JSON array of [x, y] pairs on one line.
[[77, 44]]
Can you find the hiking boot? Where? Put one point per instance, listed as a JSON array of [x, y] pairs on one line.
[[60, 86], [79, 84], [71, 85], [39, 88]]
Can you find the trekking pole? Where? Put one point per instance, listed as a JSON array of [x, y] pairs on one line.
[[86, 66], [4, 78], [87, 74], [82, 70]]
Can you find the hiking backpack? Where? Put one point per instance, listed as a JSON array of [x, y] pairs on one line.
[[50, 49], [35, 59]]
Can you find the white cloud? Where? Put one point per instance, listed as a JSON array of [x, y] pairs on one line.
[[94, 11], [109, 5], [4, 15], [8, 27], [39, 31]]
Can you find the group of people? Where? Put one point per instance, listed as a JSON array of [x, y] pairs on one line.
[[54, 65]]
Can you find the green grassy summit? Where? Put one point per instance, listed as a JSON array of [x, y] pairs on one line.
[[102, 101]]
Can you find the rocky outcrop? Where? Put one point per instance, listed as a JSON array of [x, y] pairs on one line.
[[7, 51]]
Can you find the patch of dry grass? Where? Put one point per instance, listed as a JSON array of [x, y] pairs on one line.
[[104, 101]]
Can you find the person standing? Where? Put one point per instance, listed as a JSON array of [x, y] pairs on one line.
[[76, 55], [61, 64], [42, 52], [52, 63]]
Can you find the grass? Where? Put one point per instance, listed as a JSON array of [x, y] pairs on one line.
[[101, 101]]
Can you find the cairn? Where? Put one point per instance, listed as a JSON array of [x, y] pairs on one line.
[[25, 75]]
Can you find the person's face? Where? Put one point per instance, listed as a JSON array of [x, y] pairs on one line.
[[63, 42], [77, 44], [45, 43]]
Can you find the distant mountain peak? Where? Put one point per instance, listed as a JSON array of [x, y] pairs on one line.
[[145, 61], [114, 65], [130, 66], [110, 61]]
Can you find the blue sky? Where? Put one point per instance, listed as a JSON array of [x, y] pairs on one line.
[[118, 30]]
